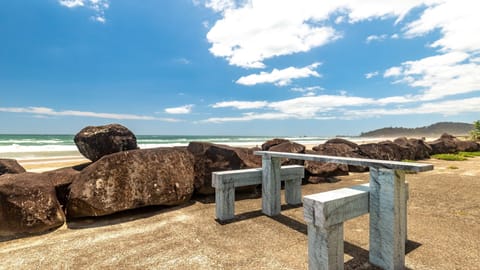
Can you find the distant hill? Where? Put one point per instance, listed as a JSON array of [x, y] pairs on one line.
[[457, 129]]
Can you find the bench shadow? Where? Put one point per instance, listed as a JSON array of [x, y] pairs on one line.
[[255, 214], [359, 255], [122, 217]]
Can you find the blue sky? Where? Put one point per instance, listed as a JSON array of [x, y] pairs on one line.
[[224, 67]]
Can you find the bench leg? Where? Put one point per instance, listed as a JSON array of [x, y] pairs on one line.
[[325, 247], [225, 200], [271, 203], [293, 191], [387, 218]]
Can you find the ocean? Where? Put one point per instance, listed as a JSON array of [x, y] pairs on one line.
[[62, 146]]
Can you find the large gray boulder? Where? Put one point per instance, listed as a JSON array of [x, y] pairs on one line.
[[132, 179], [386, 150], [10, 166], [211, 157], [289, 147], [316, 172], [28, 205], [95, 142]]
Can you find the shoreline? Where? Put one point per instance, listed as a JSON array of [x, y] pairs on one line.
[[52, 160]]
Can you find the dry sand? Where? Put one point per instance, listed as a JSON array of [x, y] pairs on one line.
[[443, 230]]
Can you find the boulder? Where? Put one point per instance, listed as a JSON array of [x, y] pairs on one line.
[[419, 148], [61, 180], [132, 179], [268, 144], [467, 146], [28, 205], [289, 147], [211, 157], [10, 166], [315, 171], [95, 142], [444, 145], [341, 148], [386, 150]]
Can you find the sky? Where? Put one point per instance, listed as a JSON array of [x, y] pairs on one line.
[[226, 67]]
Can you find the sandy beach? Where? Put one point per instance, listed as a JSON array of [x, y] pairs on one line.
[[443, 230]]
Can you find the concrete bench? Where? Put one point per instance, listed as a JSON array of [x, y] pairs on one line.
[[325, 214], [225, 183]]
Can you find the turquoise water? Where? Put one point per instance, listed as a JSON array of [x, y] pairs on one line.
[[39, 146]]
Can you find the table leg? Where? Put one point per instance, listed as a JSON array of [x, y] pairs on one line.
[[387, 218], [271, 203]]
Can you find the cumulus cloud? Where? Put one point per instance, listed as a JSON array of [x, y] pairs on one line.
[[44, 111], [439, 76], [280, 77], [186, 109], [98, 6], [256, 30]]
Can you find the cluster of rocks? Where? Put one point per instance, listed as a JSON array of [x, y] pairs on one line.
[[122, 176]]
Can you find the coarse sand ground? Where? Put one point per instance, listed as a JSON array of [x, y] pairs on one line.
[[443, 232]]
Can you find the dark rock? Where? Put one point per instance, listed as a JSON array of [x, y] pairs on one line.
[[268, 144], [95, 142], [132, 179], [315, 169], [28, 205], [341, 148], [289, 147], [467, 146], [61, 180], [10, 166], [216, 157], [444, 145], [419, 148], [386, 150]]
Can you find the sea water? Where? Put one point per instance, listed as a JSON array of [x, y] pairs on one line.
[[62, 146]]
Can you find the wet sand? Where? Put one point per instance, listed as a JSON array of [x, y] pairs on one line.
[[443, 230]]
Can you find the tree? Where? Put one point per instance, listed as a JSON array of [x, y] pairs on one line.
[[475, 133]]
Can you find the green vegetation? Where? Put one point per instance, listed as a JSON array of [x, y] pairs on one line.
[[452, 167], [475, 133], [469, 154], [408, 160], [450, 157]]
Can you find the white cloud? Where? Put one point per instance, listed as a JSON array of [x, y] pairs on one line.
[[371, 74], [98, 6], [186, 109], [241, 105], [43, 111], [280, 77], [248, 34], [375, 38], [440, 75]]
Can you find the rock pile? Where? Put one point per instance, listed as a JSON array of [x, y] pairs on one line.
[[123, 177]]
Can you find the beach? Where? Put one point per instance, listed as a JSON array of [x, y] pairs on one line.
[[443, 232]]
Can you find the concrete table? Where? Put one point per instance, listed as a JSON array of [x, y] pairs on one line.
[[386, 202]]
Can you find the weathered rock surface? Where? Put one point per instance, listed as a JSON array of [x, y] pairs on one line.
[[341, 148], [467, 146], [445, 144], [132, 179], [419, 148], [95, 142], [10, 166], [386, 150], [61, 180], [289, 147], [318, 171], [28, 205], [268, 144], [215, 157]]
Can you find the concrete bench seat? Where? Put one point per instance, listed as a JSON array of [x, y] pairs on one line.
[[325, 214], [225, 183]]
